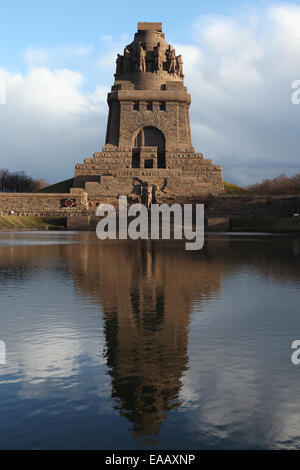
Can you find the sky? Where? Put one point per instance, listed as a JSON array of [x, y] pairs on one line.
[[57, 60]]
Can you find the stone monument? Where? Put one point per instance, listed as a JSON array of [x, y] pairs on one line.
[[148, 141]]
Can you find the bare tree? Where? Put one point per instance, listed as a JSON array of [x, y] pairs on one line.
[[19, 182], [282, 184]]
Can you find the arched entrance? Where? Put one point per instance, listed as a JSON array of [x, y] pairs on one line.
[[149, 137]]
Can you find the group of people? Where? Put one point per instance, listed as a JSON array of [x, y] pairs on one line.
[[161, 61]]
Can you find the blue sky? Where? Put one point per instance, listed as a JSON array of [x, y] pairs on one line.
[[57, 61], [54, 23]]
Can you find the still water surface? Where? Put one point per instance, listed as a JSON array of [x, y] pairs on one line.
[[131, 345]]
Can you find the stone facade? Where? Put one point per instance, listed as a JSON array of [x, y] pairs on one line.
[[148, 139]]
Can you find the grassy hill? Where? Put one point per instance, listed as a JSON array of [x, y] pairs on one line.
[[61, 187], [234, 189]]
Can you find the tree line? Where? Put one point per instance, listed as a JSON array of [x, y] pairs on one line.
[[19, 182], [282, 184]]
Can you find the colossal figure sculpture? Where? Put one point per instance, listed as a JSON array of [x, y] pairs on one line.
[[126, 60], [180, 66], [171, 59], [148, 137], [158, 58], [119, 63], [142, 57]]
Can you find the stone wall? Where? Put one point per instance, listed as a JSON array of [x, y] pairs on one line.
[[252, 206], [41, 204], [217, 206]]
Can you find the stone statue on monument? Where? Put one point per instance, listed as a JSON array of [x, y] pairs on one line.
[[119, 63], [158, 59], [127, 59], [147, 190], [179, 66], [142, 59], [171, 60]]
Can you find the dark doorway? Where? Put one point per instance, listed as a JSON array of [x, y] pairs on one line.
[[151, 137], [161, 159], [136, 159]]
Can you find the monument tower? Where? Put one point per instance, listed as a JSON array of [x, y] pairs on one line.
[[148, 140]]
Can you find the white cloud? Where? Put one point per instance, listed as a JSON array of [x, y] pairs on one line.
[[239, 71], [36, 56], [49, 123], [76, 51]]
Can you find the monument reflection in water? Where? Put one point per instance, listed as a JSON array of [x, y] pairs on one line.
[[124, 344], [146, 293]]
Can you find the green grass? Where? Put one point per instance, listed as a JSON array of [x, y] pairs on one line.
[[11, 222], [61, 187], [267, 223], [234, 189]]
